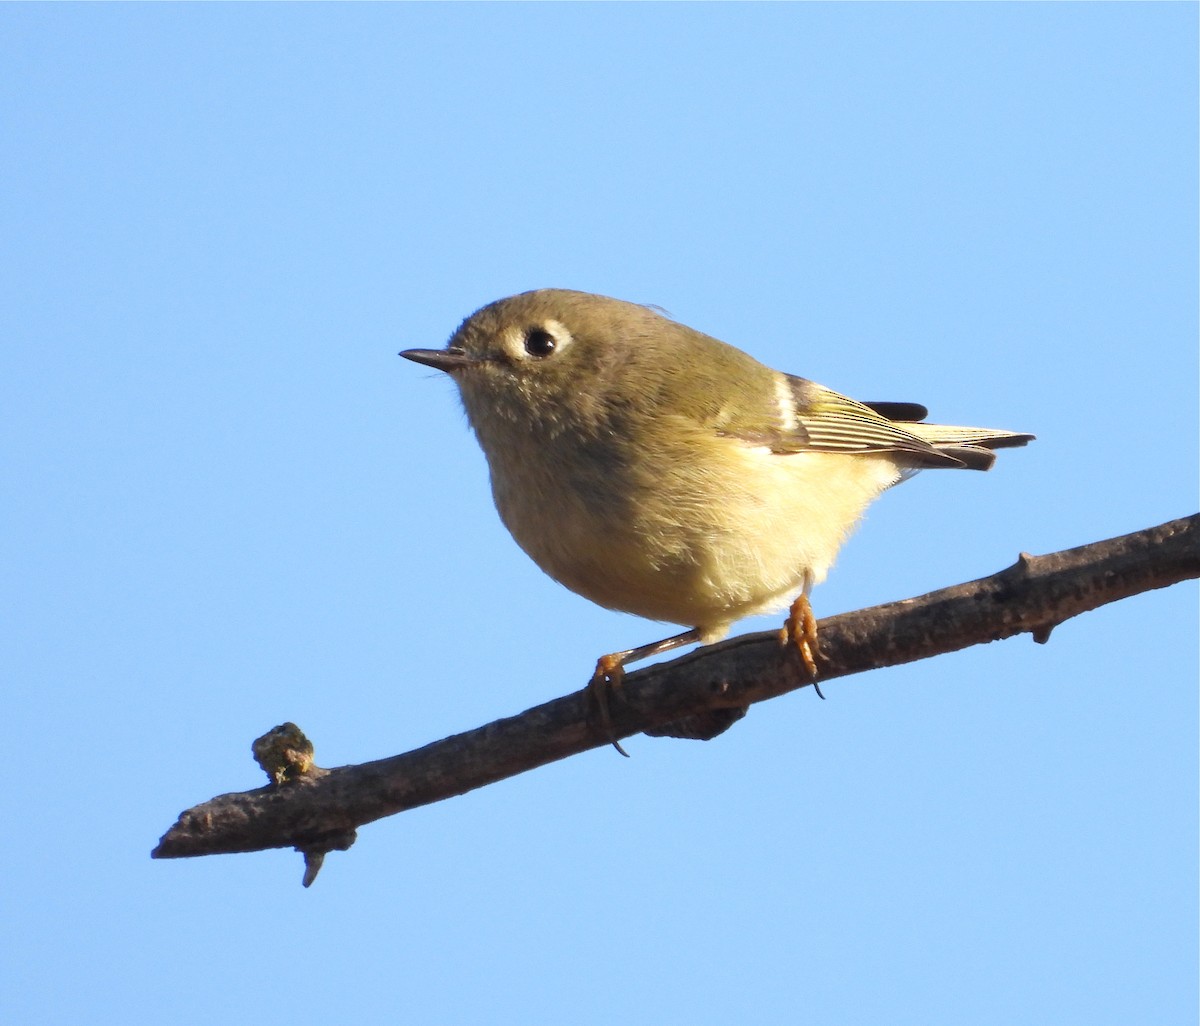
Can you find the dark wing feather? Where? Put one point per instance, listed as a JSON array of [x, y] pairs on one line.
[[906, 412]]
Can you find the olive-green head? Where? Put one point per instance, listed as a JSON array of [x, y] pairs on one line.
[[555, 359]]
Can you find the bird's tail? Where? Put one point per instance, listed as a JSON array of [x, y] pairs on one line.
[[971, 446]]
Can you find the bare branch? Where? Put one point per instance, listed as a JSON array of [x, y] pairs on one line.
[[317, 810]]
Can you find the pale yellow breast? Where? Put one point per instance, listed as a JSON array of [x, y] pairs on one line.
[[716, 531]]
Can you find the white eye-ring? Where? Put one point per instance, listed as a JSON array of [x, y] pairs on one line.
[[540, 341]]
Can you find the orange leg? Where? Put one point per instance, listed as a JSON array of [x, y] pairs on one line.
[[800, 631]]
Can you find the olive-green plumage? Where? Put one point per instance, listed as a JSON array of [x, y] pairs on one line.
[[656, 470]]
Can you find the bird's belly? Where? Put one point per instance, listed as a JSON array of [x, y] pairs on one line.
[[703, 543]]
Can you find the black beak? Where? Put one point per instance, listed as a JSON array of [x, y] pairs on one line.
[[443, 359]]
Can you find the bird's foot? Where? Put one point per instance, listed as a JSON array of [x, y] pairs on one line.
[[608, 677], [800, 632]]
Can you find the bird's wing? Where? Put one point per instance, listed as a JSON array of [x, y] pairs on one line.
[[807, 417], [827, 421]]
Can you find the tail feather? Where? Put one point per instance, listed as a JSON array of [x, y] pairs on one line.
[[970, 445]]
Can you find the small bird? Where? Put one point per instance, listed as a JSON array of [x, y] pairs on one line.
[[656, 470]]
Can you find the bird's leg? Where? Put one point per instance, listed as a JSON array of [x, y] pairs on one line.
[[800, 631], [610, 673]]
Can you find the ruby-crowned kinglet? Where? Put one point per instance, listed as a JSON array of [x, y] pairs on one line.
[[656, 470]]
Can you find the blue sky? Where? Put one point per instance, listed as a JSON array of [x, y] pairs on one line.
[[228, 504]]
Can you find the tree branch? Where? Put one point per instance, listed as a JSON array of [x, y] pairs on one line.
[[317, 810]]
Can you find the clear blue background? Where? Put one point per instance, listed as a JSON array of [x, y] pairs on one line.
[[228, 503]]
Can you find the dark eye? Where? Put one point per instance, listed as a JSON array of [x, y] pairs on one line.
[[539, 342]]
